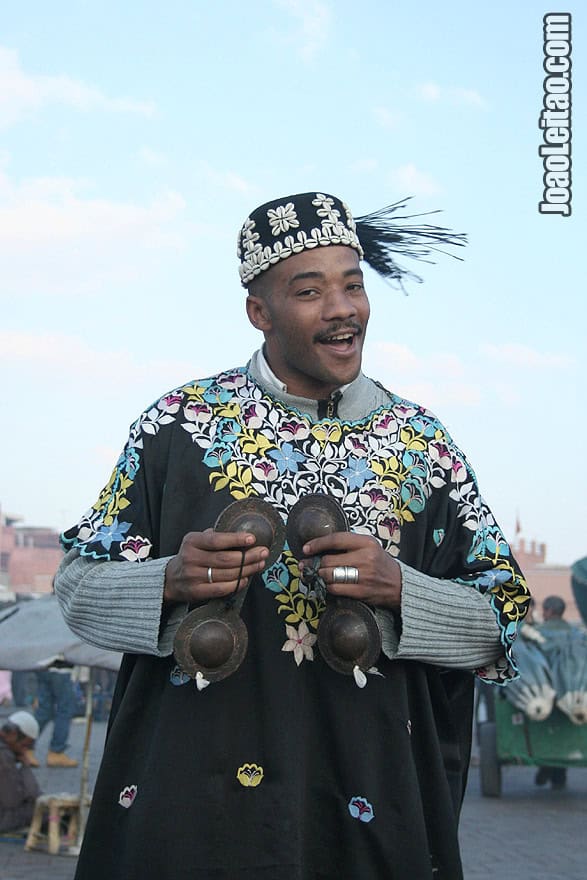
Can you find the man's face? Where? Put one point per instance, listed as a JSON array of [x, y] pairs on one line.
[[314, 315], [17, 741]]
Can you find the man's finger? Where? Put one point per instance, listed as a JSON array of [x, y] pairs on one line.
[[336, 542], [211, 540]]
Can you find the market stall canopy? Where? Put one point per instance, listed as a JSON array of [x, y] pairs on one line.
[[33, 633]]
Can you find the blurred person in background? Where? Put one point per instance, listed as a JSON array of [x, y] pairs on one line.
[[18, 787], [56, 703]]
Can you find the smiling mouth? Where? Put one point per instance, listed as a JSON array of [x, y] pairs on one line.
[[340, 338]]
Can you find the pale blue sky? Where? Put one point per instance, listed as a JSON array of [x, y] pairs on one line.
[[134, 139]]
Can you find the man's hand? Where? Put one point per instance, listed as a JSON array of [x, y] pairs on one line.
[[379, 574], [221, 554]]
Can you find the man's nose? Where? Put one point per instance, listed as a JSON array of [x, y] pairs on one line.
[[339, 305]]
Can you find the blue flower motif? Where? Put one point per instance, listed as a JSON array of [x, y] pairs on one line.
[[412, 494], [488, 542], [492, 577], [227, 431], [360, 808], [219, 453], [177, 677], [438, 536], [107, 534], [217, 396], [425, 427], [357, 472], [277, 577], [286, 458], [129, 461], [414, 462]]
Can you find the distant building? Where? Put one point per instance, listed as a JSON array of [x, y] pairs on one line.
[[543, 579], [29, 557]]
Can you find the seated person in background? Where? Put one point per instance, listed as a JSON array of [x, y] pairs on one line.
[[18, 787]]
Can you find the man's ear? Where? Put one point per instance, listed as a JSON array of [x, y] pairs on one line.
[[258, 313]]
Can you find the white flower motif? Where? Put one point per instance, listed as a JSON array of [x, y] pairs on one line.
[[326, 209], [282, 218], [299, 641]]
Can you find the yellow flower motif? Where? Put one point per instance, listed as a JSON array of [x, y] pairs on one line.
[[249, 775], [326, 432], [194, 391]]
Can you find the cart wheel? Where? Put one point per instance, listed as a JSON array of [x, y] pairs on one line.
[[488, 764]]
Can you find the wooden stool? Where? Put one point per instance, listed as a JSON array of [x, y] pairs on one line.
[[54, 807]]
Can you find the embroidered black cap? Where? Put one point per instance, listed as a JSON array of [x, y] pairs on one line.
[[289, 225]]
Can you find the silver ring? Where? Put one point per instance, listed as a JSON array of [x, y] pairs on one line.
[[210, 581], [345, 574], [353, 574]]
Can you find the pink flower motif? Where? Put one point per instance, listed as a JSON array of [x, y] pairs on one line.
[[195, 411], [170, 403], [291, 430], [439, 452], [375, 497], [265, 470], [388, 527], [254, 415], [135, 548], [407, 411], [233, 380], [382, 426], [127, 796], [300, 641], [358, 447], [458, 471]]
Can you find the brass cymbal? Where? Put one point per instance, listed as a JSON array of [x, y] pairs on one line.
[[260, 519], [313, 516], [349, 635], [212, 640]]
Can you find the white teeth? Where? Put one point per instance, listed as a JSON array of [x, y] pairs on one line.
[[342, 338]]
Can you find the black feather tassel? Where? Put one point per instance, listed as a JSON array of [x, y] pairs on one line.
[[383, 235]]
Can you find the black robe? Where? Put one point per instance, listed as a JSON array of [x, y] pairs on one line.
[[288, 769]]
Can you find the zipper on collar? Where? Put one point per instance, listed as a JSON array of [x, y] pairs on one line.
[[328, 409]]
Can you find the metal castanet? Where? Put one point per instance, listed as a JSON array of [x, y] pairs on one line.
[[313, 516], [348, 632], [349, 635], [212, 640], [260, 519]]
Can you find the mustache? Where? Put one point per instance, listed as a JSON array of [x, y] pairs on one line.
[[338, 327]]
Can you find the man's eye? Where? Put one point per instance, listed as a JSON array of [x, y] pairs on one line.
[[308, 292]]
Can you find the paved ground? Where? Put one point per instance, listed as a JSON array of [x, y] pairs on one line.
[[528, 834]]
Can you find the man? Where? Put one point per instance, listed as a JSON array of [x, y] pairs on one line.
[[286, 767], [551, 629], [553, 609], [56, 703], [18, 787]]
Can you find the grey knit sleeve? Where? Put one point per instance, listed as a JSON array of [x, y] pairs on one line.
[[442, 622], [118, 605]]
